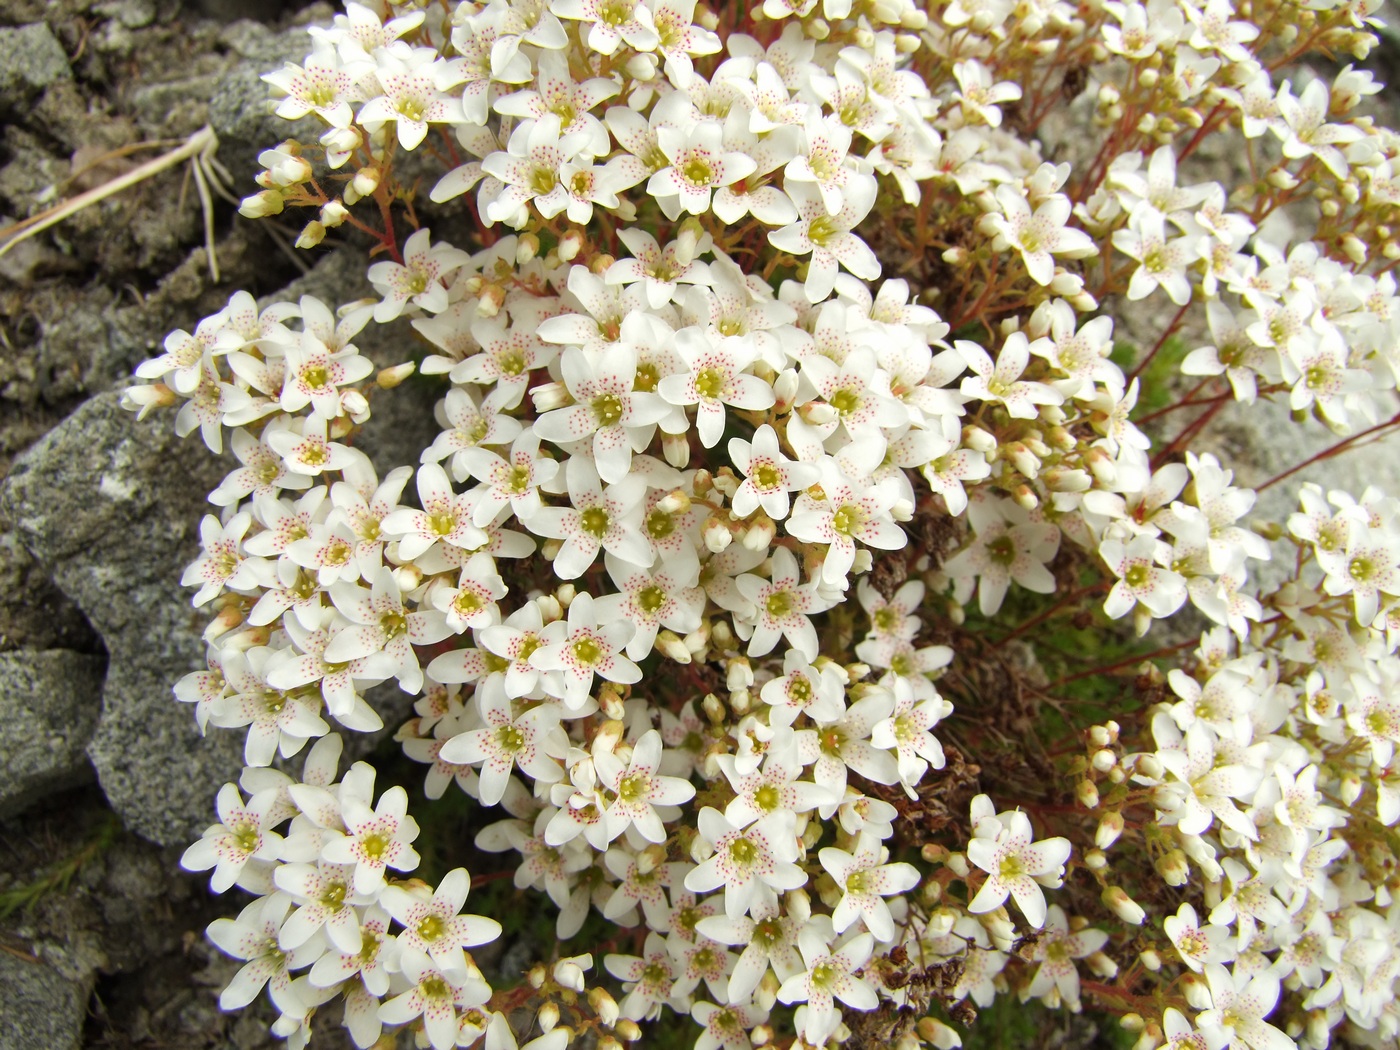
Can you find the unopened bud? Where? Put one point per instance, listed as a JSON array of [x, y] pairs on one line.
[[1150, 960], [673, 647], [259, 205], [1132, 1022], [1104, 760], [714, 710], [717, 535], [759, 534], [1116, 899], [1095, 860], [570, 245], [676, 449], [548, 1016], [1110, 827], [388, 378], [527, 246], [366, 181], [333, 213], [1088, 794], [627, 1030]]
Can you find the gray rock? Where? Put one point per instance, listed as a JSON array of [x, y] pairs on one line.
[[31, 58], [48, 709], [42, 1009], [112, 507]]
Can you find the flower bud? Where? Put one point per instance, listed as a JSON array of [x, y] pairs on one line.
[[548, 1016], [1173, 868], [676, 449], [761, 1035], [688, 239], [958, 862], [1110, 827], [537, 976], [717, 535], [1116, 899], [366, 181], [1103, 760], [260, 205], [489, 304], [1349, 787], [1095, 860], [942, 921], [388, 378], [570, 245], [333, 213], [627, 1030], [714, 710], [527, 246], [1196, 991], [978, 439], [1132, 1022], [673, 647], [1150, 960]]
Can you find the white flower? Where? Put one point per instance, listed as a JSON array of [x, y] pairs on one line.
[[698, 164], [648, 980], [1197, 945], [979, 95], [531, 740], [599, 519], [326, 901], [321, 86], [530, 169], [1001, 382], [619, 418], [752, 863], [1055, 950], [1162, 262], [1016, 866], [1140, 577], [434, 924], [1239, 1005], [375, 839], [576, 650], [420, 279], [1007, 546], [611, 23], [864, 879], [380, 623], [652, 599], [769, 938], [244, 833], [314, 373], [223, 564], [446, 516], [1040, 236], [252, 937], [828, 238], [828, 975], [639, 790], [716, 379], [782, 607], [435, 996], [768, 475], [850, 512], [906, 732], [414, 95]]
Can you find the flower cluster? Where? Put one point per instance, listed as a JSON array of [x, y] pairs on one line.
[[684, 587]]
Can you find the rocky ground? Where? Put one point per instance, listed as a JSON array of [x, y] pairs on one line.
[[103, 778]]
